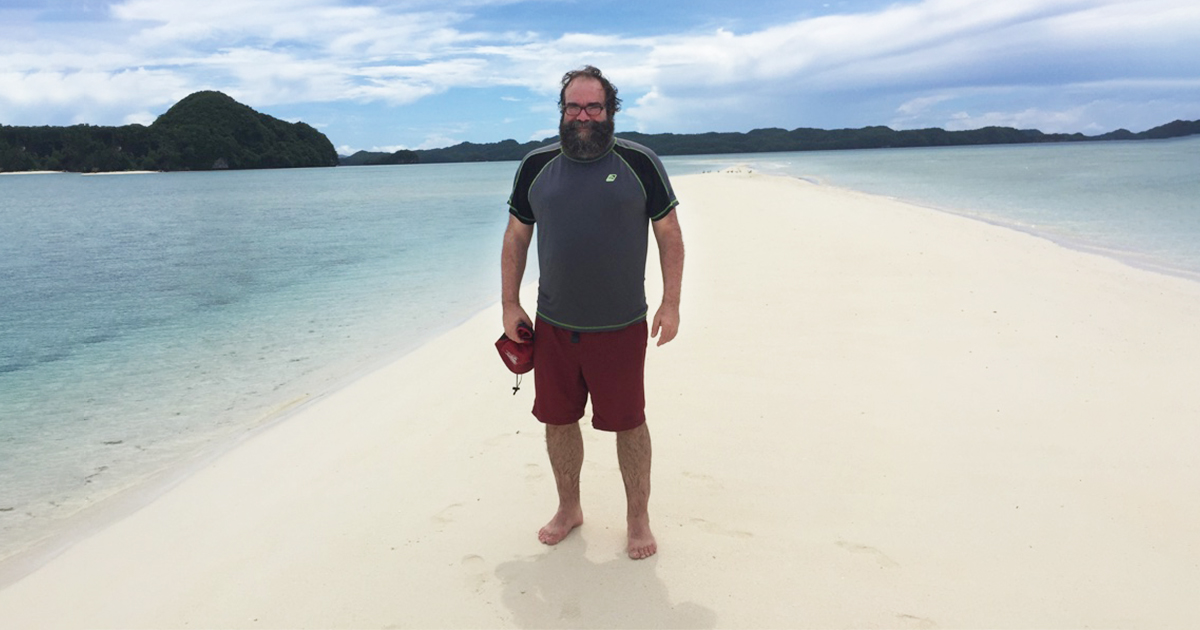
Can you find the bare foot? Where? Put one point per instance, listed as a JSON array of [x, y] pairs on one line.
[[641, 541], [561, 525]]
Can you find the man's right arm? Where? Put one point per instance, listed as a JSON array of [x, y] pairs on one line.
[[512, 268]]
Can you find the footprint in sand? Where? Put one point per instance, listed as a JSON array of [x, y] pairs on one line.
[[712, 483], [880, 557], [475, 570], [714, 528], [533, 472], [446, 516], [570, 610], [912, 621], [496, 440]]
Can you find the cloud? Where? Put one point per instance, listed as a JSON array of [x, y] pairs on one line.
[[542, 134], [268, 77], [919, 54], [139, 118], [88, 89], [173, 22], [918, 106], [1032, 118], [927, 62], [1086, 107]]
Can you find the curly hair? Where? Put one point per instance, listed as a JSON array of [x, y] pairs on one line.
[[612, 104]]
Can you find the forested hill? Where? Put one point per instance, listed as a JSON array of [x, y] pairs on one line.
[[773, 140], [204, 131]]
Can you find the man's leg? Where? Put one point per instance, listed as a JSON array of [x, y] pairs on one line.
[[633, 454], [565, 446]]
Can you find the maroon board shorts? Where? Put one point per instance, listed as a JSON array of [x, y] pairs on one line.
[[610, 366]]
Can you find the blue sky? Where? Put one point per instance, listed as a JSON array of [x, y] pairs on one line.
[[385, 75]]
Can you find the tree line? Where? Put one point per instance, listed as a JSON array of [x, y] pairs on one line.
[[777, 140], [209, 130], [204, 131]]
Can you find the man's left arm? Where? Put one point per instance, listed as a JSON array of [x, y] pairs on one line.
[[670, 256]]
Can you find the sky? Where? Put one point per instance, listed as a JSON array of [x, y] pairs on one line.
[[416, 74]]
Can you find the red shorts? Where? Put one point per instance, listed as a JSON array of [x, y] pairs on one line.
[[610, 366]]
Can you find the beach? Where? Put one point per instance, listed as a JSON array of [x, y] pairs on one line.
[[875, 415]]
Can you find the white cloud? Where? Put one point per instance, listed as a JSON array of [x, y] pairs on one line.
[[1032, 118], [917, 62], [31, 89], [922, 50], [140, 118], [918, 106], [265, 77], [542, 134], [436, 141]]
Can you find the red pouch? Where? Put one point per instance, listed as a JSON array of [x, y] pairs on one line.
[[518, 357]]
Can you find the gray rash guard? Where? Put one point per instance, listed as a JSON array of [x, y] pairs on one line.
[[592, 230]]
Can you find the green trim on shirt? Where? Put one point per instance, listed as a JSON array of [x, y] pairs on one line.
[[631, 322]]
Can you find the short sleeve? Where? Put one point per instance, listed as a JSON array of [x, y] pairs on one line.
[[660, 197], [527, 173]]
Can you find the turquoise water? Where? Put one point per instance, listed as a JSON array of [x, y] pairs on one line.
[[145, 318], [1137, 201]]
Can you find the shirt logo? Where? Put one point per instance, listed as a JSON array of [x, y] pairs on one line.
[[611, 178]]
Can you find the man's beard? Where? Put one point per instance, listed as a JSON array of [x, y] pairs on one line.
[[595, 144]]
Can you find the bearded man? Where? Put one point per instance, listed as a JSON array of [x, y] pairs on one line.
[[593, 198]]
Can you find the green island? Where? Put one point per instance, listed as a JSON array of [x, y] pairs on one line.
[[777, 140], [210, 131], [204, 131]]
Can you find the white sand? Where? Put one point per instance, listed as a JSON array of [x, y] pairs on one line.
[[122, 173], [87, 174], [875, 415]]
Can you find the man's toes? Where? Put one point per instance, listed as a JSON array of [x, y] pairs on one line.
[[639, 553]]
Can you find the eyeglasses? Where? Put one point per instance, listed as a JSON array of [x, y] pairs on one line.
[[593, 109]]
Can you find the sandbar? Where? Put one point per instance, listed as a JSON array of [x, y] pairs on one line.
[[875, 415]]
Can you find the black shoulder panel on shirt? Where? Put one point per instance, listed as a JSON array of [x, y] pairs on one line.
[[660, 199], [527, 173]]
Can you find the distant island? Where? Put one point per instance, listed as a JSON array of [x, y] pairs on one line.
[[204, 131], [211, 131], [775, 140]]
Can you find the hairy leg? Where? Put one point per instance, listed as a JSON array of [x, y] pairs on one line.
[[633, 454], [565, 446]]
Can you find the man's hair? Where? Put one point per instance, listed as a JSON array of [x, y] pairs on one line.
[[612, 104]]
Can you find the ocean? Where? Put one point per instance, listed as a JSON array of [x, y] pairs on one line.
[[146, 320], [1138, 201]]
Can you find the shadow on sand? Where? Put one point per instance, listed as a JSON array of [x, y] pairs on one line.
[[561, 588]]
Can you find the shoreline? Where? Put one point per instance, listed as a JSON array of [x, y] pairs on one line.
[[1138, 260], [1145, 226], [65, 532], [79, 173], [940, 402], [122, 173]]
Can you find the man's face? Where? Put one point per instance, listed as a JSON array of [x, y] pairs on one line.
[[585, 136]]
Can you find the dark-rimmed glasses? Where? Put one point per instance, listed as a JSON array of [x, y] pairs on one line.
[[573, 109]]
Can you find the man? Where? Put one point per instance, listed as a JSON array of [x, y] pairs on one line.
[[592, 197]]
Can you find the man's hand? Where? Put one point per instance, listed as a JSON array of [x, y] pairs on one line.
[[670, 256], [514, 315], [512, 267], [666, 320]]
